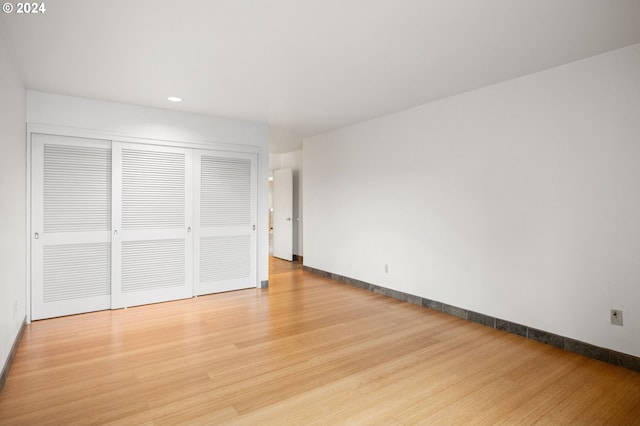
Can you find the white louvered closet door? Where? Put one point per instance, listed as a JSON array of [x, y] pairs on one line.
[[70, 223], [152, 211], [224, 219]]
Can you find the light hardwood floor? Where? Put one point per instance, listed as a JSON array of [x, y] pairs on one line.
[[305, 351]]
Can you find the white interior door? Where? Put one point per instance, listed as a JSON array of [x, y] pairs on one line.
[[283, 214], [70, 223], [224, 221], [152, 250]]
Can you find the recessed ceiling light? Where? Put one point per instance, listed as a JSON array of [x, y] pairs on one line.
[[174, 99]]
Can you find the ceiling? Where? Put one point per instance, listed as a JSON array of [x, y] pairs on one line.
[[303, 66]]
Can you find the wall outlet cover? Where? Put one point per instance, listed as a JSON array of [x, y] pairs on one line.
[[616, 317]]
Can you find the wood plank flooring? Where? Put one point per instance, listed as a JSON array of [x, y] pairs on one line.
[[306, 351]]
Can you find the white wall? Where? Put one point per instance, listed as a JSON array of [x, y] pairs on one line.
[[151, 123], [283, 141], [520, 200], [143, 122], [12, 204], [293, 161]]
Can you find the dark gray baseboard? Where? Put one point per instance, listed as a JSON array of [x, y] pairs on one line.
[[602, 354], [264, 284], [12, 355]]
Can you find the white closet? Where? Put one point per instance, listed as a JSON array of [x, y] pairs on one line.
[[118, 224]]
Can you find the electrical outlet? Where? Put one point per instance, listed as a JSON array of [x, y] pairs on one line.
[[386, 268], [616, 317]]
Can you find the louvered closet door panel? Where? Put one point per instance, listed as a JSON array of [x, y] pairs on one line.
[[225, 217], [152, 212], [71, 223]]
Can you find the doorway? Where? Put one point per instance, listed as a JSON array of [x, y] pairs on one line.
[[282, 217]]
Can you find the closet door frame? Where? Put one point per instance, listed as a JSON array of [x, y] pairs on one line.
[[57, 130]]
